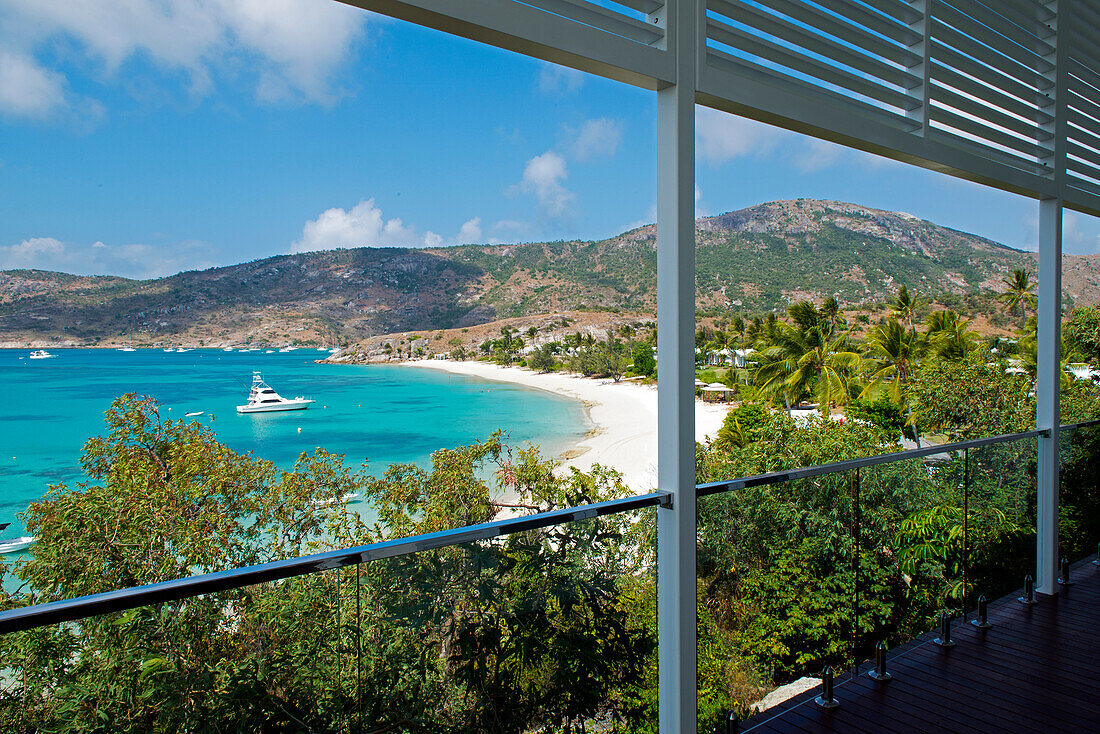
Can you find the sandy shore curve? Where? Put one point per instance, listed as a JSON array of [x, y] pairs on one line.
[[624, 415]]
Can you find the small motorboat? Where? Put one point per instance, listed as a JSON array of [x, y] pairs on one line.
[[42, 354], [262, 399], [333, 500], [12, 545], [196, 414]]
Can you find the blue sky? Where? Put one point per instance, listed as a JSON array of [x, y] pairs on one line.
[[143, 137]]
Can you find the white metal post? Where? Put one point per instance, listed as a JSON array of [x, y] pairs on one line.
[[676, 374], [1047, 392]]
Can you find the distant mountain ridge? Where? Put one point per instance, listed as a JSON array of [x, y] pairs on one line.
[[752, 259]]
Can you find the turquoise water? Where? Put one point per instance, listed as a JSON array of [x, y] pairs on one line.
[[381, 413]]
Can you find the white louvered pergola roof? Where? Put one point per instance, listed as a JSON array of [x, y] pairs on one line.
[[1003, 92]]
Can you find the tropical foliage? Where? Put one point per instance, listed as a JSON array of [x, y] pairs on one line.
[[550, 630]]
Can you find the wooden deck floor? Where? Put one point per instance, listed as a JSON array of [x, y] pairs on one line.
[[1037, 670]]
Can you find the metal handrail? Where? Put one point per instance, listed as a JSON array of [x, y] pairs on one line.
[[1075, 426], [709, 488], [69, 610]]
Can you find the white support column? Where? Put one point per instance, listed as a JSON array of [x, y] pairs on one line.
[[676, 374], [1049, 318], [1047, 392]]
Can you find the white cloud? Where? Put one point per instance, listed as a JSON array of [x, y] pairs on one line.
[[556, 79], [543, 176], [361, 226], [292, 48], [364, 226], [131, 261], [27, 89], [597, 138], [469, 232], [1080, 233], [819, 154], [303, 41], [721, 137]]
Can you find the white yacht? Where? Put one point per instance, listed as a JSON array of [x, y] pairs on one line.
[[11, 545], [42, 354], [262, 399]]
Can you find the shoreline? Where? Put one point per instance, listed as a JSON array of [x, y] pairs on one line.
[[623, 416]]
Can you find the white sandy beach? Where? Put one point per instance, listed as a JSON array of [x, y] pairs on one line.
[[624, 416]]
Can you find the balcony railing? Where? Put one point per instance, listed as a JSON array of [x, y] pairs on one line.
[[966, 510]]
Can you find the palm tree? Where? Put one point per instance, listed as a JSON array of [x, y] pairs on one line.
[[1029, 358], [806, 316], [904, 305], [737, 332], [948, 335], [893, 356], [719, 341], [800, 360], [830, 311], [1019, 294]]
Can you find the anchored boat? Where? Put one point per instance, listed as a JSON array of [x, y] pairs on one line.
[[262, 399], [11, 545]]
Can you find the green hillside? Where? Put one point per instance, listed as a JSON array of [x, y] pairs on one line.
[[754, 259]]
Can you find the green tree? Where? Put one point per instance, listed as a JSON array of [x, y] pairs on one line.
[[644, 362], [904, 306], [164, 500], [1082, 332], [1018, 294], [971, 398], [806, 360], [613, 358], [533, 632], [948, 336], [894, 353], [542, 359]]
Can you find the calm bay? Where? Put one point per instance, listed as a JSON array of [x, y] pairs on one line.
[[383, 414]]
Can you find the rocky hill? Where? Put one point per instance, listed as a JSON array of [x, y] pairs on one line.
[[752, 260]]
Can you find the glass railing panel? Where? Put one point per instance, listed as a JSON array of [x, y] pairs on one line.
[[776, 589], [236, 660], [552, 629], [999, 533], [909, 566], [1079, 495], [547, 630]]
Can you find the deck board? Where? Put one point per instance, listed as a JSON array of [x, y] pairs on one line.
[[1038, 669]]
